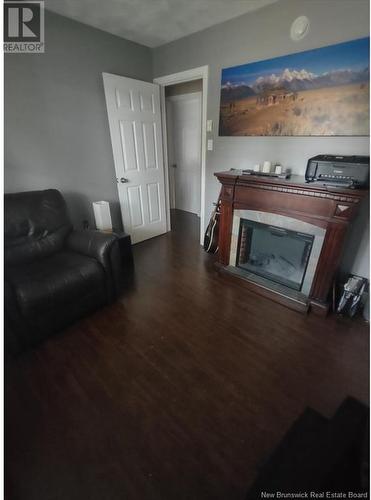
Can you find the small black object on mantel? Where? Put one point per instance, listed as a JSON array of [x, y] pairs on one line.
[[284, 175]]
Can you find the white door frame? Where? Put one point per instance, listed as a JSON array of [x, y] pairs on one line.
[[201, 73]]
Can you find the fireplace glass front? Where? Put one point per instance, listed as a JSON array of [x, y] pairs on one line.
[[278, 254]]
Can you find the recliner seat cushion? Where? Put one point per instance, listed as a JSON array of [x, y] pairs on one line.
[[55, 281]]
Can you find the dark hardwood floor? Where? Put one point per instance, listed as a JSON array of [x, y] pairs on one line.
[[181, 390]]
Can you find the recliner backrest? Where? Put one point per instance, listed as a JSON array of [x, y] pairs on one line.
[[36, 225]]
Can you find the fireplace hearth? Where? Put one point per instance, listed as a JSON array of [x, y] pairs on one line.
[[283, 238]]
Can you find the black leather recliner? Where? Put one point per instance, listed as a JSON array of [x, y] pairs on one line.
[[53, 274]]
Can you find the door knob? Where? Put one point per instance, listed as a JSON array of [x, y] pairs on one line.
[[174, 165], [123, 180]]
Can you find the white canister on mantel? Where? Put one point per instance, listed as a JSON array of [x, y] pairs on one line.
[[278, 169], [267, 167]]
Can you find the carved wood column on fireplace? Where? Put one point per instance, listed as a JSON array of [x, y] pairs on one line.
[[330, 208]]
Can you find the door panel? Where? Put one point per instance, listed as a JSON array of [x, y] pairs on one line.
[[154, 201], [184, 119], [124, 99], [129, 150], [149, 135], [134, 118], [135, 205], [147, 102]]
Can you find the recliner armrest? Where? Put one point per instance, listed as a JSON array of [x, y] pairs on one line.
[[92, 243], [104, 247]]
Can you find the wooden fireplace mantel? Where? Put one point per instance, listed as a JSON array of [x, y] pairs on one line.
[[331, 208]]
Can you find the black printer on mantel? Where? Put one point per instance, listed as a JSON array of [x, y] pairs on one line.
[[339, 171]]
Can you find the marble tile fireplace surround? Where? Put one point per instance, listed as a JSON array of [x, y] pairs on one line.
[[283, 238], [273, 258]]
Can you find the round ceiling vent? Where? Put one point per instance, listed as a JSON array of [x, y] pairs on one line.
[[299, 28]]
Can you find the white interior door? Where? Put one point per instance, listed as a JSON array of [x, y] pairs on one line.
[[184, 149], [134, 118]]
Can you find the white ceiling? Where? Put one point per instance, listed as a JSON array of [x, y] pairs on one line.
[[153, 22]]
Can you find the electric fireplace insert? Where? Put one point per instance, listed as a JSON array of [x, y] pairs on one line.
[[278, 254]]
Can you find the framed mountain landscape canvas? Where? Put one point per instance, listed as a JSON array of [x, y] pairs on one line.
[[320, 92]]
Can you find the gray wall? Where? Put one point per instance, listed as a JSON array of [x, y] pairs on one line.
[[262, 35], [56, 129]]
